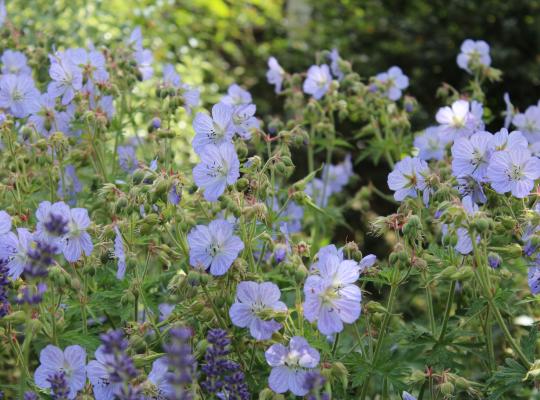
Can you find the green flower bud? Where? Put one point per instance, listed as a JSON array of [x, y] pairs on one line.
[[447, 272], [194, 278], [138, 176], [413, 228], [375, 306], [299, 197], [241, 149], [450, 239], [417, 376], [120, 204], [300, 273], [446, 388], [481, 224], [242, 184], [462, 383], [340, 373], [205, 278], [17, 317], [462, 274]]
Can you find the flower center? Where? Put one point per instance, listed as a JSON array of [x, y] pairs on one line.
[[214, 249], [17, 95], [292, 359], [515, 173], [458, 122]]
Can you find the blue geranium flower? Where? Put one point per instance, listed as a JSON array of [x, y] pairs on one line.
[[236, 96], [318, 81], [471, 155], [393, 82], [71, 361], [331, 296], [218, 168], [514, 171], [430, 145], [215, 130], [19, 95], [407, 178], [143, 57], [77, 240], [47, 120], [275, 74], [67, 78], [529, 123], [252, 300], [120, 254], [473, 54], [290, 365], [214, 247], [15, 62]]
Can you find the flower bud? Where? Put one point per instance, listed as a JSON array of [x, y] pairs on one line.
[[374, 306], [194, 278], [241, 149], [340, 373], [242, 184], [494, 260], [17, 317], [446, 388], [481, 224], [300, 273], [413, 228], [138, 176], [462, 274]]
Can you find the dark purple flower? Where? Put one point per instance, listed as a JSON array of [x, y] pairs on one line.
[[39, 259], [175, 194], [223, 376], [156, 123], [494, 260], [4, 284], [181, 363], [314, 383], [118, 363], [31, 295], [59, 385]]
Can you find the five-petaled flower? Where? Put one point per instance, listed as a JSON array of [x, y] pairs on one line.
[[255, 303], [214, 246]]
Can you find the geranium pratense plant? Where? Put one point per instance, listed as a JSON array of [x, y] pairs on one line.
[[163, 237]]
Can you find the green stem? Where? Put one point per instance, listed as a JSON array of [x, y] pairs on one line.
[[483, 277], [447, 310], [429, 302], [336, 345], [489, 341], [384, 326]]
